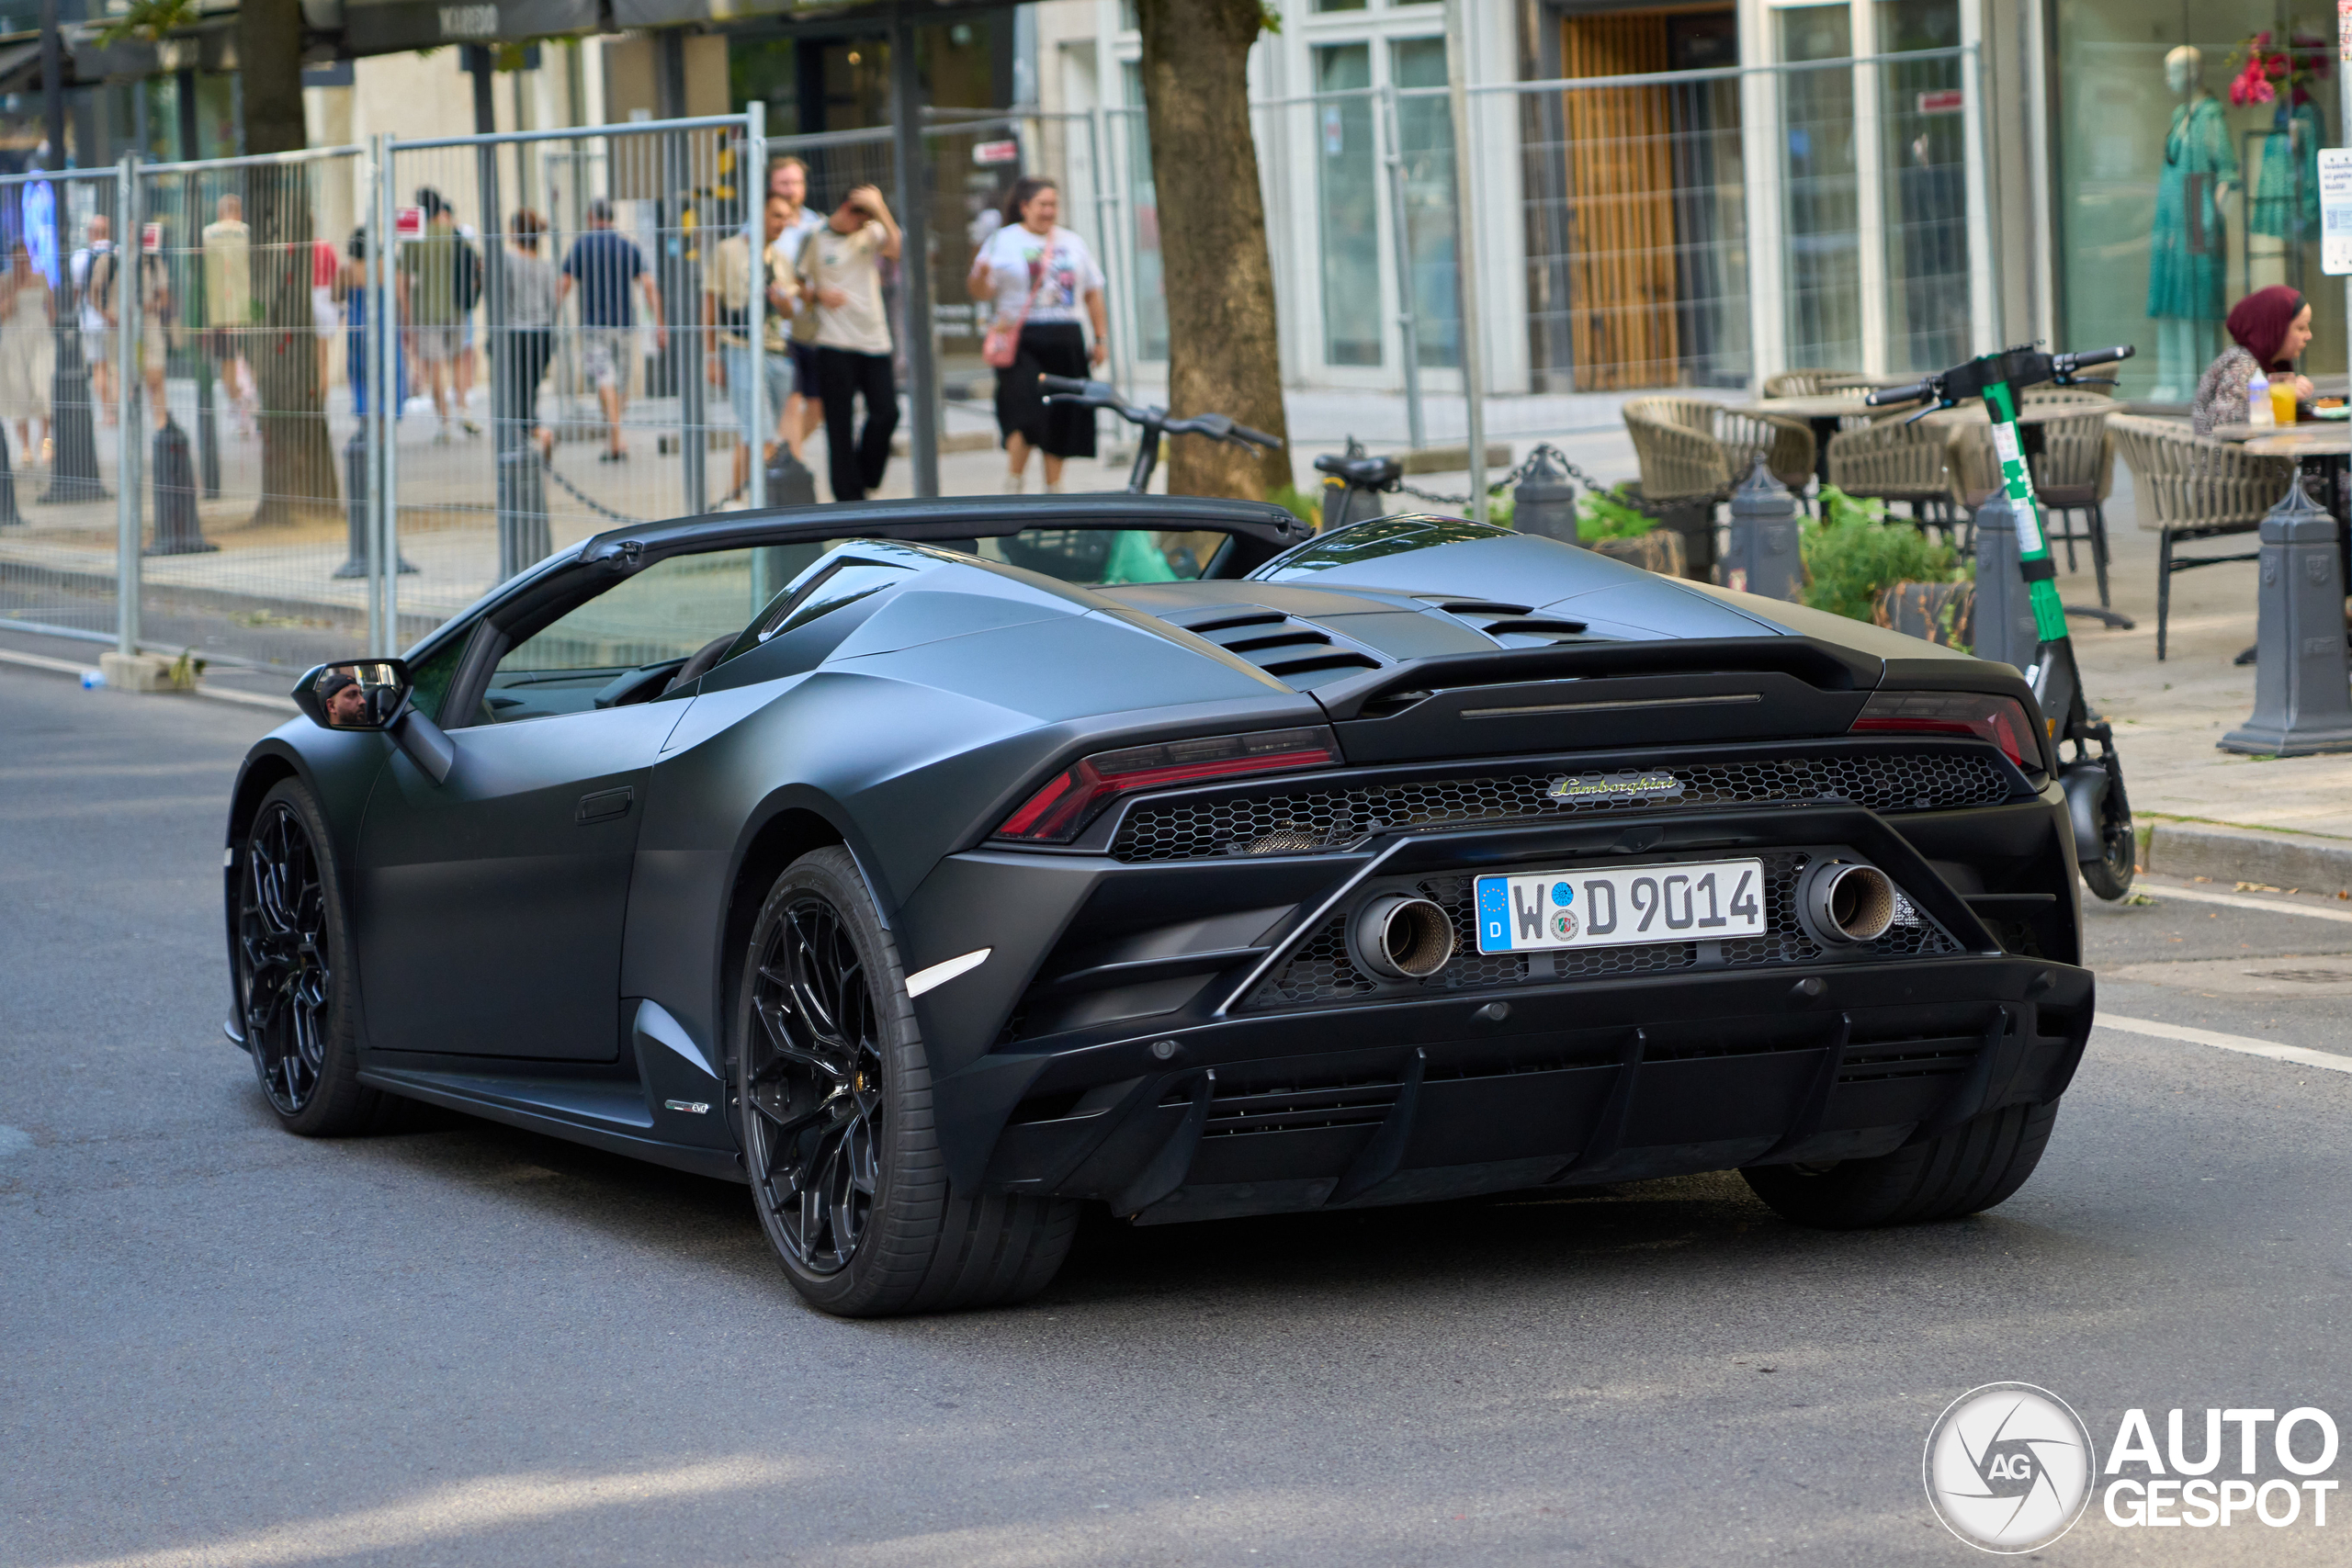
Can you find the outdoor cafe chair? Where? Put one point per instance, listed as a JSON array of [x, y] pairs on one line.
[[2190, 487], [1896, 461]]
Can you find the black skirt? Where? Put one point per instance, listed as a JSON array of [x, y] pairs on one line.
[[1062, 430]]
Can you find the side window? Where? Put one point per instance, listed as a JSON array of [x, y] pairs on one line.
[[433, 673], [627, 643], [846, 583]]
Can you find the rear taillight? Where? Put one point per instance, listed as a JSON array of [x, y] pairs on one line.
[[2000, 720], [1075, 796]]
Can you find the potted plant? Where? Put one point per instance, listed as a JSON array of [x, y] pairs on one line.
[[1858, 564]]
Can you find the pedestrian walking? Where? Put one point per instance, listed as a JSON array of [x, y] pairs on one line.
[[227, 246], [158, 331], [840, 270], [28, 352], [528, 313], [727, 307], [97, 347], [804, 410], [1042, 280], [603, 266], [326, 316], [430, 279]]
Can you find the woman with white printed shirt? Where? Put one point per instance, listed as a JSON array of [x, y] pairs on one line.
[[1042, 276]]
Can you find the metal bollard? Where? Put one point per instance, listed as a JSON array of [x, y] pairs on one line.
[[1543, 501], [2300, 701], [9, 517], [2005, 628], [178, 530], [355, 490], [1763, 557]]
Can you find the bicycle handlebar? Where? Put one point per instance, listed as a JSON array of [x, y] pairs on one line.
[[1101, 394]]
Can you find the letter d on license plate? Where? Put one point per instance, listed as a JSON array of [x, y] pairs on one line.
[[1692, 901]]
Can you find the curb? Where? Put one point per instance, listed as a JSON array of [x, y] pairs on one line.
[[2249, 854], [210, 693]]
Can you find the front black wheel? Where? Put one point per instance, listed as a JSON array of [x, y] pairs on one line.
[[834, 1104], [1972, 1167], [2110, 875], [295, 995]]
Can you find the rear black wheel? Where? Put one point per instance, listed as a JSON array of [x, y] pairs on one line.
[[1975, 1165], [295, 998], [833, 1102]]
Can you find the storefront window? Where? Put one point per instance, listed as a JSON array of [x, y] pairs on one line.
[[1820, 222], [1425, 138], [1923, 160], [1349, 209], [2183, 182]]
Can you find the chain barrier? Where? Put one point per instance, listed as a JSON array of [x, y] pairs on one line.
[[590, 502], [1541, 450]]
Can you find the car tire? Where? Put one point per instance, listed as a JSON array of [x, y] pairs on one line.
[[296, 989], [832, 1091], [1965, 1171]]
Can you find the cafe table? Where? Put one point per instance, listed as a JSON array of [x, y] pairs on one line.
[[1826, 412], [2321, 450]]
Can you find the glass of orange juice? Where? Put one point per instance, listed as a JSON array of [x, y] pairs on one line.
[[2282, 400]]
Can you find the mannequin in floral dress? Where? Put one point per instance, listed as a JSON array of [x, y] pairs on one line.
[[2188, 254]]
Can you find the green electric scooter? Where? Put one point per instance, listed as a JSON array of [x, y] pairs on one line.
[[2092, 780]]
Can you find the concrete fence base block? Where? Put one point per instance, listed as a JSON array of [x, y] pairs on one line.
[[136, 672], [2230, 855]]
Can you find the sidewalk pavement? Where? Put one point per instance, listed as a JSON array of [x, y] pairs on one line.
[[2276, 822]]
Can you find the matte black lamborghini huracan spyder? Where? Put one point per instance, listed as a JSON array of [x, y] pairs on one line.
[[935, 867]]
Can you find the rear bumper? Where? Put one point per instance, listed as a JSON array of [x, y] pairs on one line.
[[1541, 1084]]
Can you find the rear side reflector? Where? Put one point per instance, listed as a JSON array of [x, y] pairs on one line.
[[2000, 720], [1075, 796]]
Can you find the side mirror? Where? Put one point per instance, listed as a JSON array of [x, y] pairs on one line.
[[365, 694], [373, 694]]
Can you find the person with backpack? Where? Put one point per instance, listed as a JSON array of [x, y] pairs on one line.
[[430, 277], [157, 329]]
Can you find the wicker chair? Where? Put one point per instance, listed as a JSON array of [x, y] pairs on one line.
[[1812, 383], [1892, 460], [2073, 476], [1692, 451], [2191, 487]]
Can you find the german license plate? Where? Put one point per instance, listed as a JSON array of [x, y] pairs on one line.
[[1691, 901]]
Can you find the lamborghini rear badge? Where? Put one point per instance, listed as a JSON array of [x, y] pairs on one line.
[[1622, 785]]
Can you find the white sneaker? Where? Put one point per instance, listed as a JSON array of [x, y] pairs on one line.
[[1053, 487], [1013, 483]]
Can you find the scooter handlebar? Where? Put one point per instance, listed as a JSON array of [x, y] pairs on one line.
[[1888, 396], [2082, 359]]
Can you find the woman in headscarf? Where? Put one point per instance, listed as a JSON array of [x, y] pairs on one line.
[[2269, 328]]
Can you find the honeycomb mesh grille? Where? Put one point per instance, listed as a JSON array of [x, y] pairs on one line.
[[1320, 972], [1300, 821]]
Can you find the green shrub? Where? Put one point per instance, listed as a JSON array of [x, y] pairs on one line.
[[1611, 516], [1852, 552]]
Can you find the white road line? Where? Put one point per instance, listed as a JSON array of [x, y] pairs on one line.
[[2301, 1055], [2240, 901], [34, 661]]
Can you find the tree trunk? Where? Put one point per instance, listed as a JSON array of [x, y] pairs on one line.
[[1224, 355], [298, 471]]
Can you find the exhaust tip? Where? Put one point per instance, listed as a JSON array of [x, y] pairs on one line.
[[1845, 904], [1399, 937]]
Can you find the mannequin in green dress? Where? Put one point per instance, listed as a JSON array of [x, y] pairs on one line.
[[2187, 253]]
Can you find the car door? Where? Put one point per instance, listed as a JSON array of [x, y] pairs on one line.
[[490, 905]]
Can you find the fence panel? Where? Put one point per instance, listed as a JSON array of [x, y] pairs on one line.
[[554, 363], [57, 408], [242, 409]]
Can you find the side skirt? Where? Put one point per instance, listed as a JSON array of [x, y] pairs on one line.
[[603, 1113]]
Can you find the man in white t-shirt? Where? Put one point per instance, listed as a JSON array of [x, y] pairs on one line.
[[788, 178], [840, 270]]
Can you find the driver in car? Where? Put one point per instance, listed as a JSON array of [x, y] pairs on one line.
[[345, 700]]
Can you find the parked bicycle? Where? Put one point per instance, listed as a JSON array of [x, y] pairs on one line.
[[2104, 845]]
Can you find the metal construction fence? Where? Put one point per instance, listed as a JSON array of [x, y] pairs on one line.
[[366, 384]]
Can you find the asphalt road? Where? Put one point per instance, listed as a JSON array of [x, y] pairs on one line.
[[462, 1343]]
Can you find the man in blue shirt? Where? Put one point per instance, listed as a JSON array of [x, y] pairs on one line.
[[602, 265]]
